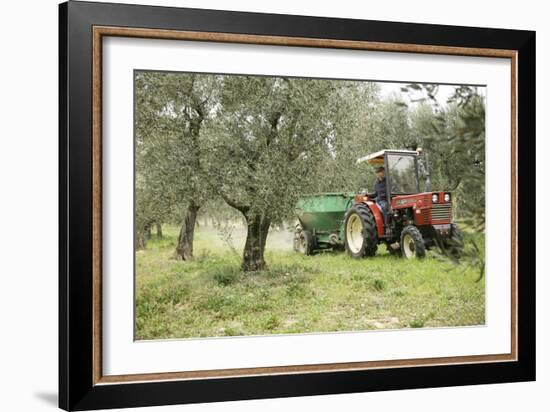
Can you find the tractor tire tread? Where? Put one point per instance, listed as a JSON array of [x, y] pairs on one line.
[[370, 232], [309, 239]]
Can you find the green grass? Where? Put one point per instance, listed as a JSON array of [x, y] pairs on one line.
[[210, 296]]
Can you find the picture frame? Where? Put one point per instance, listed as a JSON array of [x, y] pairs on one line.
[[83, 27]]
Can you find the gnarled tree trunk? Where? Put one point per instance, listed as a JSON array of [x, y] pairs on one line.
[[141, 240], [254, 248], [184, 249], [159, 230], [143, 234]]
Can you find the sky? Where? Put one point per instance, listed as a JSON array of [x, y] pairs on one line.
[[444, 92]]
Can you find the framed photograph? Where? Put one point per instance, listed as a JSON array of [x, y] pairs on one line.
[[256, 205]]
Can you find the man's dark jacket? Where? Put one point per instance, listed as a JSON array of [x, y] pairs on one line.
[[380, 191]]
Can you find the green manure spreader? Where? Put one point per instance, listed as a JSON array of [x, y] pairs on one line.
[[321, 222], [416, 220]]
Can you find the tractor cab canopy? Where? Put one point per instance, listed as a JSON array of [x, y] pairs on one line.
[[401, 168]]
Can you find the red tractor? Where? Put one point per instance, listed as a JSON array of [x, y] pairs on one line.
[[416, 220]]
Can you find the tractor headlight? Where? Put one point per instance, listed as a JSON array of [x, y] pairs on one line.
[[435, 198], [447, 197]]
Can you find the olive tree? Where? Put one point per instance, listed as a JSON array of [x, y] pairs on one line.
[[269, 137], [454, 138], [171, 110]]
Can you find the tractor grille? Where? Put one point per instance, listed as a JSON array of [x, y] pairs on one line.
[[442, 211], [423, 217]]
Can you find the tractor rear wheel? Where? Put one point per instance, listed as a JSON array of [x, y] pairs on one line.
[[361, 237], [454, 244], [304, 242], [412, 243]]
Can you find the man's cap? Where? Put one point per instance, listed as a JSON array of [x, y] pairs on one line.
[[379, 169]]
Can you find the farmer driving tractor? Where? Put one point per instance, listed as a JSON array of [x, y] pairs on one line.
[[409, 221], [380, 193]]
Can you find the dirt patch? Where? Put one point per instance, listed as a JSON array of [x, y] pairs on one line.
[[384, 323]]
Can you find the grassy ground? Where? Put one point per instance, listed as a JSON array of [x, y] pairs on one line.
[[298, 294]]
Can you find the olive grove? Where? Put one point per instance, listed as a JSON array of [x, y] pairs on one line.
[[256, 143]]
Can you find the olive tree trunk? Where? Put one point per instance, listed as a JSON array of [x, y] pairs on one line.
[[254, 248], [141, 241], [184, 249], [143, 234]]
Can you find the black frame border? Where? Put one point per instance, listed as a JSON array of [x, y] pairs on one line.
[[76, 388]]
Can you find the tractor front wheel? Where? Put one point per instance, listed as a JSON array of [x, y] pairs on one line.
[[361, 238], [412, 243]]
